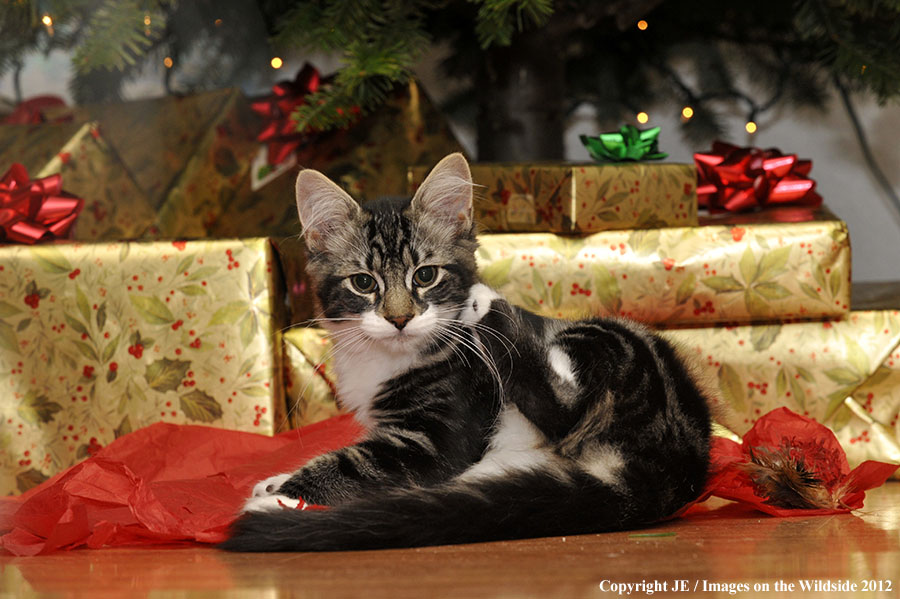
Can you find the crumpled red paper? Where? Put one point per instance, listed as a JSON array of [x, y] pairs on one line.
[[162, 484], [820, 449]]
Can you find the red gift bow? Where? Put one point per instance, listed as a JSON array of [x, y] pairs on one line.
[[280, 131], [737, 179], [31, 211], [818, 449], [31, 111]]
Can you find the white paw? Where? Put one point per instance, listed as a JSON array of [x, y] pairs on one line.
[[479, 302], [270, 503], [269, 486]]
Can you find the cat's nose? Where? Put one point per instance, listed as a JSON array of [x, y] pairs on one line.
[[399, 321]]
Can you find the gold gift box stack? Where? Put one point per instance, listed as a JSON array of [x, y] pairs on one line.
[[762, 301], [170, 302]]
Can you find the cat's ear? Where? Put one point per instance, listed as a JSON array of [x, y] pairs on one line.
[[446, 194], [324, 208]]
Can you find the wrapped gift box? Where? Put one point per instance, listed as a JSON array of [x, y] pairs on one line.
[[369, 159], [188, 154], [114, 206], [100, 339], [33, 145], [580, 198], [309, 378], [732, 268], [842, 373]]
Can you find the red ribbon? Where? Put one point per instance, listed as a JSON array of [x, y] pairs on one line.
[[32, 211], [31, 111], [280, 132], [739, 179]]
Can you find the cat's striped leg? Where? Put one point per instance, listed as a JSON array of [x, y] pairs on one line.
[[391, 456]]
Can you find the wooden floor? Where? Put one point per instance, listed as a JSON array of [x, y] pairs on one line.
[[723, 549]]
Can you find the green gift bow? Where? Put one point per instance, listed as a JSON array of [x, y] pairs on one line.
[[628, 143]]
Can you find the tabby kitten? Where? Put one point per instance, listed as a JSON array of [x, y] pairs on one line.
[[484, 421]]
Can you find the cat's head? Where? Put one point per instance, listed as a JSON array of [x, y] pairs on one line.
[[391, 271]]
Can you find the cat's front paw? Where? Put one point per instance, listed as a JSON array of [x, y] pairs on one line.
[[270, 503], [269, 486]]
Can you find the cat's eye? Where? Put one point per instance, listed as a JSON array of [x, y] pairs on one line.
[[425, 276], [363, 283]]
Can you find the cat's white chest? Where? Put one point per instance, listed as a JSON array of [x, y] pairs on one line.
[[361, 375]]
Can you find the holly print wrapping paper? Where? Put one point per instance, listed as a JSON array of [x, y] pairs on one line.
[[33, 146], [309, 377], [842, 373], [729, 269], [100, 339], [579, 198], [114, 208], [368, 159]]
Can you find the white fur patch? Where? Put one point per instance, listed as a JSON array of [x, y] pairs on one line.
[[478, 303], [270, 503], [516, 445], [361, 373], [270, 486], [561, 364], [604, 463]]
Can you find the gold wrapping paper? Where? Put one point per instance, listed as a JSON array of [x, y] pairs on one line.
[[725, 270], [33, 145], [369, 160], [580, 198], [842, 373], [309, 378], [100, 339], [114, 207]]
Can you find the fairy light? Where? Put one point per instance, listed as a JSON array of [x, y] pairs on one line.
[[147, 20], [168, 62], [642, 25], [862, 70], [47, 20], [276, 63], [217, 22], [687, 112], [642, 117], [751, 127]]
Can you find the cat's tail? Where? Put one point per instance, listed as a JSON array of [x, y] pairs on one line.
[[518, 505]]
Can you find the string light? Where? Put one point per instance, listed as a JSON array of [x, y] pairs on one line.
[[642, 25], [642, 117], [862, 70], [276, 63], [217, 22], [147, 20], [687, 112], [751, 127], [47, 20], [168, 62]]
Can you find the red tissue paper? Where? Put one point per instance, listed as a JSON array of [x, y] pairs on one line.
[[812, 449], [161, 484]]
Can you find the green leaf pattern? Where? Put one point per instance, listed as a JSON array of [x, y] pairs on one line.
[[71, 366], [843, 373], [709, 274]]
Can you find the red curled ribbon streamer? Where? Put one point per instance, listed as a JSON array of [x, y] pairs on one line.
[[280, 132], [32, 211], [738, 179]]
